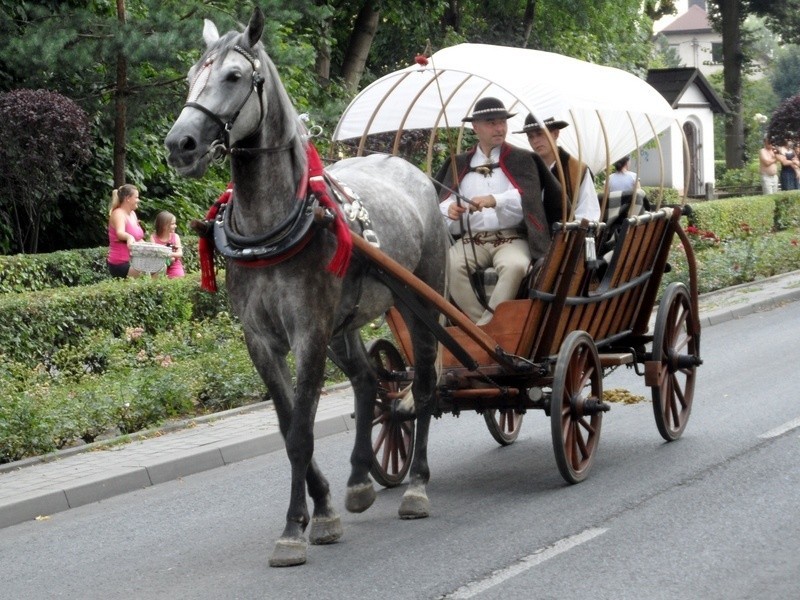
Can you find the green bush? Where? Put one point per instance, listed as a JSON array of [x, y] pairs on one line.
[[787, 210], [735, 217], [658, 196], [69, 268], [35, 325]]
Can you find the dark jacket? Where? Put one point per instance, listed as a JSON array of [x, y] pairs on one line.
[[527, 172]]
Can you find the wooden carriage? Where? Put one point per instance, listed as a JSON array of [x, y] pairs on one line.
[[582, 315], [550, 349]]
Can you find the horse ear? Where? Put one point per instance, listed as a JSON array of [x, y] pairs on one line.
[[210, 33], [255, 27]]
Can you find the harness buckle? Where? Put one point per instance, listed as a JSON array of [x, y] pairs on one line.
[[371, 237]]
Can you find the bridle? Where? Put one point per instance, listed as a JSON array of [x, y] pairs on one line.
[[221, 145]]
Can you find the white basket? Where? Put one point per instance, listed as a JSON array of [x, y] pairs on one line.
[[147, 257]]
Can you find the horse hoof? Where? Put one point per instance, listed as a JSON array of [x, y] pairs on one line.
[[415, 505], [359, 497], [288, 552], [325, 530]]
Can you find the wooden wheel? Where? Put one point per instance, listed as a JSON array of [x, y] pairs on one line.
[[503, 424], [576, 406], [392, 438], [676, 348]]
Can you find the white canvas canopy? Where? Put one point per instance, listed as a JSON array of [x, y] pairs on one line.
[[610, 112]]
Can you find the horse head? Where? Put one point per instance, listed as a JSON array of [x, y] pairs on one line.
[[226, 104]]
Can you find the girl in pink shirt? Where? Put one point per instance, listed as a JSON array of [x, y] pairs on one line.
[[123, 230], [165, 226]]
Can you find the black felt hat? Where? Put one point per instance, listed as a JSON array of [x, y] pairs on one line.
[[488, 109], [532, 124]]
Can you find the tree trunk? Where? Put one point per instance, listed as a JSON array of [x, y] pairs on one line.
[[120, 108], [733, 60], [452, 16], [322, 66], [355, 59], [527, 21]]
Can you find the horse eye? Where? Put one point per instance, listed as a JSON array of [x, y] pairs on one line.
[[233, 76]]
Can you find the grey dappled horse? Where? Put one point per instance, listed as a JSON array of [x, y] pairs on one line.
[[238, 103]]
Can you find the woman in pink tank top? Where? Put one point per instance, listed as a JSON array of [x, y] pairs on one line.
[[165, 227], [123, 230]]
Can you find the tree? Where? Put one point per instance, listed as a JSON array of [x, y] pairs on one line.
[[786, 74], [45, 140], [784, 126], [727, 16]]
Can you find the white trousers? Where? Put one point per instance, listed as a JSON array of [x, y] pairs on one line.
[[506, 250]]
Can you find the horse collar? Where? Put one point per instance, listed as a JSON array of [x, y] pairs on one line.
[[275, 246]]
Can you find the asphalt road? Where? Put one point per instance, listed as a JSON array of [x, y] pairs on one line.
[[713, 515]]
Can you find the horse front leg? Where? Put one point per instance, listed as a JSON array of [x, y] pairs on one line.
[[415, 503], [290, 549], [349, 354]]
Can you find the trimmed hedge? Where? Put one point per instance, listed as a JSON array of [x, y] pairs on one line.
[[69, 268], [752, 215], [35, 325]]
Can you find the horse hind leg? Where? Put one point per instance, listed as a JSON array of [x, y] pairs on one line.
[[415, 503], [349, 354]]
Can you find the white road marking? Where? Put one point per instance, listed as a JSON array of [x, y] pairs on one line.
[[788, 426], [497, 577]]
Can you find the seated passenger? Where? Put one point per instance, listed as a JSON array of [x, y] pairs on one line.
[[622, 180], [502, 192], [576, 174]]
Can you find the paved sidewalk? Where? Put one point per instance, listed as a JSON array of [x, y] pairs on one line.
[[78, 476]]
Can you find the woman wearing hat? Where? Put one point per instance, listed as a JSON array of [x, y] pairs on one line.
[[492, 194], [578, 179]]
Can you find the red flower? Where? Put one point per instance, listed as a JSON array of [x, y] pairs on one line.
[[794, 242], [421, 60]]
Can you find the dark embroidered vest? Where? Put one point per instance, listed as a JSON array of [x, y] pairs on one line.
[[527, 172]]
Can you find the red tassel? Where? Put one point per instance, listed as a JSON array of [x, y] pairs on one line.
[[208, 277], [205, 247], [344, 241]]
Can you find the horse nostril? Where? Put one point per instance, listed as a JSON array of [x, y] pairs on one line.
[[188, 144]]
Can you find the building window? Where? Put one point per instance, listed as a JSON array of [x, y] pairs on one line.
[[716, 53]]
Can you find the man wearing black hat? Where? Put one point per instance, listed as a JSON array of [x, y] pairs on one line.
[[502, 193], [578, 179]]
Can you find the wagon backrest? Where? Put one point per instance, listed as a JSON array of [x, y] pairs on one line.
[[568, 295], [618, 207]]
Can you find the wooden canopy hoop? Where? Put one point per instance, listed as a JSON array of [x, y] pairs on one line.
[[401, 128], [604, 204], [442, 114], [576, 192], [686, 150], [660, 163], [367, 127]]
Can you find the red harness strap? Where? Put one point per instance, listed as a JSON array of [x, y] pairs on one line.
[[315, 180]]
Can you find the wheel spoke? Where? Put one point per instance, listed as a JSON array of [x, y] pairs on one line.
[[380, 439]]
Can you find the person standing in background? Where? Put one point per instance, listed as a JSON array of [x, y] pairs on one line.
[[768, 168], [123, 231], [789, 165], [165, 234]]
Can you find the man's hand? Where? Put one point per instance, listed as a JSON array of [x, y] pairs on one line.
[[480, 202]]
